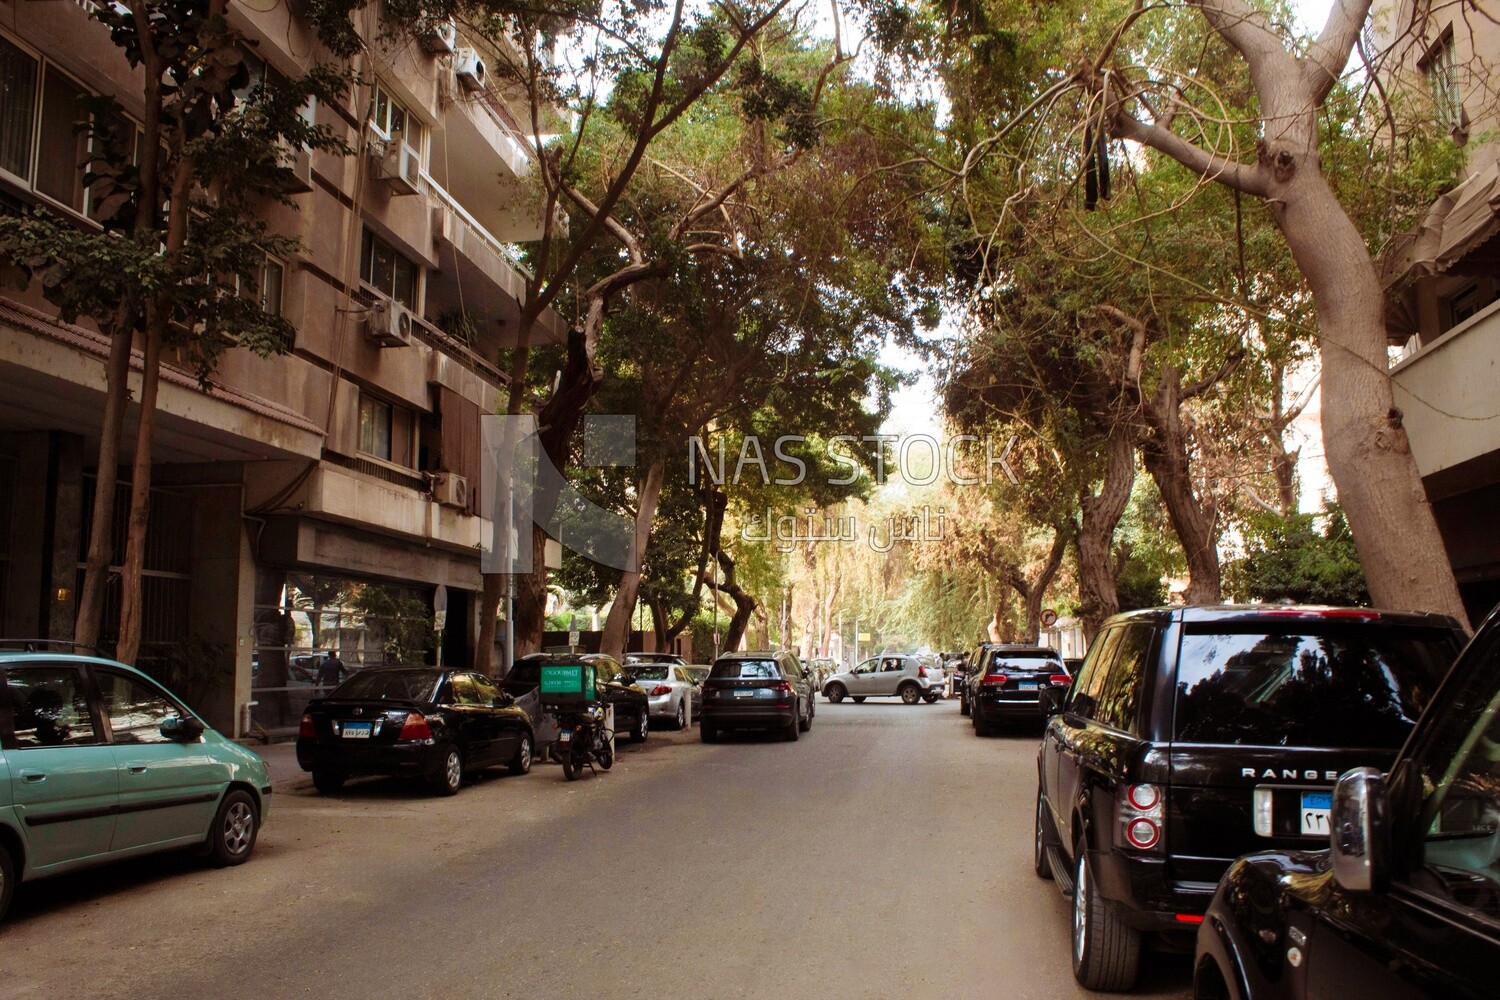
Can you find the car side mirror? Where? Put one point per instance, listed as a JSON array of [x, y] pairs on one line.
[[502, 701], [181, 729], [1050, 700], [1359, 831]]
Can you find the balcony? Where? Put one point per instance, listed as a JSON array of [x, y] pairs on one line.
[[483, 156], [340, 490], [481, 275], [1446, 392]]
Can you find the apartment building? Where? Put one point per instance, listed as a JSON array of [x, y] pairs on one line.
[[325, 499], [1444, 282]]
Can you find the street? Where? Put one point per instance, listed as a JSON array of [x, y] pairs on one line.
[[887, 853]]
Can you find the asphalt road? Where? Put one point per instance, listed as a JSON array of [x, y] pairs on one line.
[[885, 854]]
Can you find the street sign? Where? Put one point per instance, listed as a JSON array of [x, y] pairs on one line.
[[1049, 618], [864, 637], [573, 638]]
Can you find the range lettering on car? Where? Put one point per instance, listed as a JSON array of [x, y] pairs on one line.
[[1288, 774]]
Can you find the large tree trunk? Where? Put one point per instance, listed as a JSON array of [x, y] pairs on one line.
[[1034, 591], [744, 604], [1164, 452], [1100, 512], [101, 522], [131, 596], [617, 625]]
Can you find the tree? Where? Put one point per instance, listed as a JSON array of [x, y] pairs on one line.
[[181, 251], [1296, 559]]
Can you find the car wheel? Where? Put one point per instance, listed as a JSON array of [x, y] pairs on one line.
[[681, 717], [521, 762], [805, 724], [859, 699], [7, 879], [1106, 953], [707, 733], [638, 731], [450, 776], [1039, 859], [232, 837], [328, 782], [982, 726], [963, 705], [910, 694], [835, 693], [932, 697], [793, 730]]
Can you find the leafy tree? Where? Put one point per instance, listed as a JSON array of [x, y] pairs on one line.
[[1303, 558]]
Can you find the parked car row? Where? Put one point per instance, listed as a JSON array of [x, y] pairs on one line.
[[1192, 736]]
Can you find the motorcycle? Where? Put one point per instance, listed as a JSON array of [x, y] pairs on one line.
[[582, 741]]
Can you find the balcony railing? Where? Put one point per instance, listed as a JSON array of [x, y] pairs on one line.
[[462, 218]]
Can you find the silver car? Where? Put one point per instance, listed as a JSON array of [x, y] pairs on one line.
[[670, 689], [891, 674]]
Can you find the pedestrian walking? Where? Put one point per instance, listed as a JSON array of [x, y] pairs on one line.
[[331, 670]]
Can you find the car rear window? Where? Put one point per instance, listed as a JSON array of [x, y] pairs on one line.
[[653, 672], [389, 685], [1335, 687], [746, 670], [1011, 661]]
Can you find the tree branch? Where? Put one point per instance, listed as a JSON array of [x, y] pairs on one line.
[[1211, 166], [1325, 60]]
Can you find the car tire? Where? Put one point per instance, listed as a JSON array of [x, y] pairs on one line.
[[7, 880], [521, 762], [1106, 952], [910, 693], [235, 827], [638, 731], [932, 697], [963, 705], [328, 782], [835, 693], [681, 722], [859, 699], [1039, 859], [707, 733], [805, 723], [982, 726], [793, 730], [450, 776]]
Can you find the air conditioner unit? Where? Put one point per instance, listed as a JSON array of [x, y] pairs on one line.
[[450, 489], [439, 38], [388, 324], [298, 162], [470, 69], [401, 168]]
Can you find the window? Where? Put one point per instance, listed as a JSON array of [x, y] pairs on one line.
[[394, 122], [1119, 698], [464, 691], [48, 707], [17, 108], [488, 692], [267, 290], [387, 271], [1091, 678], [135, 712], [891, 666], [746, 670], [375, 427], [1333, 687], [41, 143], [1441, 69]]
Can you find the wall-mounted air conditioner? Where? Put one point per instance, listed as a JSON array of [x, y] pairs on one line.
[[298, 162], [439, 38], [401, 168], [469, 67], [450, 489], [388, 324]]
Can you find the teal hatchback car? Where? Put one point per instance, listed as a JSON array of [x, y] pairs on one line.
[[98, 762]]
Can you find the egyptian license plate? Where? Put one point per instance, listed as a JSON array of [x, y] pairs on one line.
[[747, 694], [565, 736], [1315, 809], [357, 730], [1025, 685]]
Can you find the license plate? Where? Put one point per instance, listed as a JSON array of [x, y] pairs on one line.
[[566, 736], [746, 694], [357, 730], [1315, 809], [1026, 685]]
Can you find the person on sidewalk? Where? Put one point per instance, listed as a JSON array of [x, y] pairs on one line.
[[331, 671]]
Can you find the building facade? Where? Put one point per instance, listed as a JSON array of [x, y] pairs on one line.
[[1444, 282], [322, 500]]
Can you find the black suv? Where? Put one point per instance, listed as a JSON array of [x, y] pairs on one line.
[[1007, 683], [632, 706], [1194, 735], [757, 691], [1407, 901]]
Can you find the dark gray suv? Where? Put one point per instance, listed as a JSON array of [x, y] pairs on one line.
[[757, 690]]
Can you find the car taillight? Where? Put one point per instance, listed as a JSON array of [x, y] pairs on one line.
[[1141, 815], [660, 690], [415, 727], [1060, 680], [782, 687], [921, 671], [306, 730], [995, 679]]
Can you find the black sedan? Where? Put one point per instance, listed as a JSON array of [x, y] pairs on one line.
[[431, 723], [631, 704]]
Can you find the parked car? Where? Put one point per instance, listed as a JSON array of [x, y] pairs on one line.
[[1194, 735], [760, 690], [670, 690], [699, 672], [823, 668], [890, 674], [1009, 683], [631, 705], [1404, 901], [631, 659], [104, 763], [423, 721]]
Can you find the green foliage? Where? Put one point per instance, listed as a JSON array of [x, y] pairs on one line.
[[1298, 559], [405, 623]]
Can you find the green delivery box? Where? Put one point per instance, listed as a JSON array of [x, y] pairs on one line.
[[567, 685]]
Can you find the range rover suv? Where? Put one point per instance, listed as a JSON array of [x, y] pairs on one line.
[[1404, 899], [1193, 735]]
